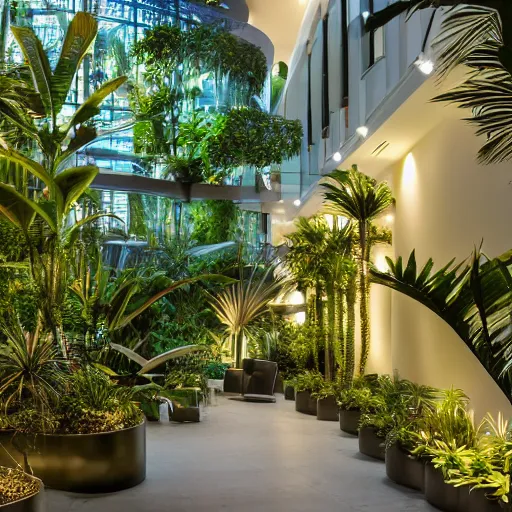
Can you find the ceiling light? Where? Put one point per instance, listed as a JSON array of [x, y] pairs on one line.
[[424, 64], [297, 202], [365, 15], [363, 131], [337, 156]]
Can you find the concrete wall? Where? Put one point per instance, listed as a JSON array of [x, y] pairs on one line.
[[445, 205]]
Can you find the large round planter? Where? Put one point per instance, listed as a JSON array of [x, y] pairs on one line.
[[371, 444], [404, 469], [438, 492], [327, 409], [476, 501], [34, 503], [89, 463], [349, 421], [304, 403], [289, 393]]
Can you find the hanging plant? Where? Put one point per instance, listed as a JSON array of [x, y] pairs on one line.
[[251, 137]]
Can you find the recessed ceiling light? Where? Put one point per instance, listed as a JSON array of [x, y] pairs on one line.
[[281, 201], [424, 64], [297, 202], [365, 15], [363, 131], [337, 156]]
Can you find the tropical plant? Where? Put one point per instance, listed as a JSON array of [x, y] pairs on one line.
[[311, 381], [360, 198], [241, 303], [57, 144], [473, 298], [474, 34]]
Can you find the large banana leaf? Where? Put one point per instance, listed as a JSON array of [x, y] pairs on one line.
[[79, 36], [73, 182], [39, 65], [474, 298], [20, 210]]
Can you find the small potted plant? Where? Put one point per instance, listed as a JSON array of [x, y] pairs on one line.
[[326, 405], [20, 491], [289, 389], [307, 383], [352, 402]]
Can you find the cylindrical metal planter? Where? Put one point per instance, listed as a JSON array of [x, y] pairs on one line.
[[185, 414], [89, 463], [476, 501], [371, 444], [349, 421], [404, 469], [304, 403], [34, 503], [438, 492], [279, 385], [327, 409], [289, 393]]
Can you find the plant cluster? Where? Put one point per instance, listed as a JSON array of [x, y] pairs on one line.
[[16, 485]]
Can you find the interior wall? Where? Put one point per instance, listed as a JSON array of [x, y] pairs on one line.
[[445, 205]]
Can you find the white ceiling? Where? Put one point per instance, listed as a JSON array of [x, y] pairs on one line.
[[280, 20]]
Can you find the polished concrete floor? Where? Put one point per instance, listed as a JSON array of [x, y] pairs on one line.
[[252, 457]]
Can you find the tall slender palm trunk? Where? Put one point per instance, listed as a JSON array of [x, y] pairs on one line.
[[364, 296], [350, 333]]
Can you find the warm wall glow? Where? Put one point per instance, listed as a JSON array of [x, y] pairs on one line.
[[295, 298], [381, 263], [409, 174], [330, 220], [300, 317]]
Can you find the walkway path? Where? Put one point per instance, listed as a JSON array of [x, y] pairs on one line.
[[250, 457]]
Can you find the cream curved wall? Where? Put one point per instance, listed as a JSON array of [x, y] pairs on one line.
[[445, 205]]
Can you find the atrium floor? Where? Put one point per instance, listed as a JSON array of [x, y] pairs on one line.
[[252, 457]]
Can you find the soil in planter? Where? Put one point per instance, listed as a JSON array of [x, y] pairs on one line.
[[349, 421], [16, 485], [371, 444], [327, 409], [404, 469]]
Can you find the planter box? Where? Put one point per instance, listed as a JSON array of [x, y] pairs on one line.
[[438, 492], [88, 463], [34, 503], [349, 421], [304, 403], [184, 414], [404, 469], [289, 393], [327, 409], [371, 444], [475, 501]]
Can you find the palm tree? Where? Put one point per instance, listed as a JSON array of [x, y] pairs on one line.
[[241, 303], [360, 198], [474, 299], [57, 144], [478, 35]]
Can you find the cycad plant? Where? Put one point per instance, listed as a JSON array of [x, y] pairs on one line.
[[57, 143], [246, 300], [474, 298], [475, 34], [361, 199]]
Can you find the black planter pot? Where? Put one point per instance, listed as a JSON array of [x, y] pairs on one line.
[[476, 501], [34, 503], [327, 409], [289, 393], [404, 469], [371, 444], [279, 385], [304, 403], [88, 463], [185, 414], [349, 421], [440, 494]]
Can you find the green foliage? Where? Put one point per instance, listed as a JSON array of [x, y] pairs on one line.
[[215, 370], [213, 221], [247, 136], [311, 381]]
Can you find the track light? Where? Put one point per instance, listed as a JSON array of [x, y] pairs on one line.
[[337, 156]]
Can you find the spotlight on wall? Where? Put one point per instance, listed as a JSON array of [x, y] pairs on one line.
[[297, 202], [337, 156], [363, 131], [365, 15], [389, 218], [424, 64]]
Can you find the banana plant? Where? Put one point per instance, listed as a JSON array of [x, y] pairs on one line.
[[58, 140], [474, 298]]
